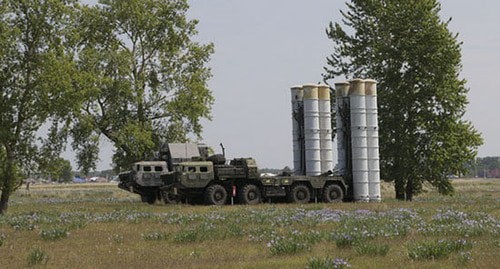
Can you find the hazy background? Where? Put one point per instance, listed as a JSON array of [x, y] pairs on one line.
[[264, 47]]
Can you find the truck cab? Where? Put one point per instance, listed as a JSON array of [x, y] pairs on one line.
[[149, 173], [144, 179], [212, 180], [195, 174]]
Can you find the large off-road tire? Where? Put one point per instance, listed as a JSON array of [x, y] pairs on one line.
[[333, 193], [216, 195], [299, 194], [170, 198], [250, 194]]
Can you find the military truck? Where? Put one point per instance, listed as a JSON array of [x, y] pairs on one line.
[[214, 182], [145, 176], [144, 179]]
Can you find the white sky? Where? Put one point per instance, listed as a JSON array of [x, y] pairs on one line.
[[263, 47]]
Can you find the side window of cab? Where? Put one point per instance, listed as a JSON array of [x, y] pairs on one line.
[[191, 169], [158, 169]]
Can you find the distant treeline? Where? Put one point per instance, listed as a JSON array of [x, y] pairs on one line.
[[485, 167]]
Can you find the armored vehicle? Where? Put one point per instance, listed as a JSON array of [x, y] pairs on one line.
[[145, 177], [216, 183]]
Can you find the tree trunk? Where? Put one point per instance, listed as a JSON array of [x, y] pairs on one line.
[[8, 181], [409, 190], [4, 202], [400, 188]]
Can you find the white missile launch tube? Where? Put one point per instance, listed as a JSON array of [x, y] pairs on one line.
[[325, 128], [311, 130], [372, 140], [359, 140]]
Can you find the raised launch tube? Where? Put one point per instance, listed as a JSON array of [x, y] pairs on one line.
[[372, 140], [359, 140], [325, 128], [311, 130]]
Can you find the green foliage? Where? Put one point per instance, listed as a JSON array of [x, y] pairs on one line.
[[327, 263], [57, 169], [36, 78], [430, 250], [417, 61], [319, 263], [155, 236], [65, 171], [186, 236], [55, 233], [126, 70], [37, 256], [369, 249], [287, 244], [489, 163], [2, 239], [464, 258], [482, 166], [346, 240], [142, 79], [117, 220]]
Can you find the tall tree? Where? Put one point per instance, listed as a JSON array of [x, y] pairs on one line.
[[35, 84], [143, 78], [422, 99], [56, 169]]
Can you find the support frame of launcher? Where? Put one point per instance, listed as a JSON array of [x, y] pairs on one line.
[[185, 172]]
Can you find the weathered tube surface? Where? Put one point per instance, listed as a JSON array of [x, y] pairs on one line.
[[297, 128], [341, 93], [311, 130], [359, 140], [325, 128], [372, 141]]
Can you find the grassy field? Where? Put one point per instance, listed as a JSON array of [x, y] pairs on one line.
[[100, 226]]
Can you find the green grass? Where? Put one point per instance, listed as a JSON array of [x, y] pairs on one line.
[[37, 256], [430, 250], [99, 226], [370, 249], [54, 233], [327, 263]]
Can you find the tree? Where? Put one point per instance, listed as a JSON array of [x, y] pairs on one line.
[[65, 171], [35, 84], [142, 78], [57, 169], [483, 166], [422, 99]]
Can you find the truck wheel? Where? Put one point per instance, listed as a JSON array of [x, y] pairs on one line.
[[299, 194], [216, 195], [170, 198], [333, 193], [250, 195]]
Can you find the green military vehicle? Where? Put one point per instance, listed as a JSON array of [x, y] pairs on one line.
[[145, 177], [216, 183]]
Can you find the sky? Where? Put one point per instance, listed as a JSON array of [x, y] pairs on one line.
[[264, 47]]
